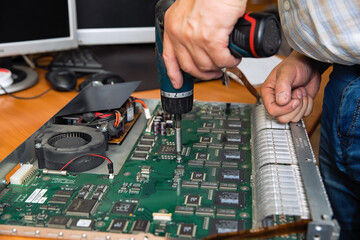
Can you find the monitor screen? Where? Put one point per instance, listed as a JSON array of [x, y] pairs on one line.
[[28, 27], [115, 21]]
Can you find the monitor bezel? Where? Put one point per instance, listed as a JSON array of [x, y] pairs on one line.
[[124, 35], [44, 45]]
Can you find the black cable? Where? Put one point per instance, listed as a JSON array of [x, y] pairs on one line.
[[25, 98]]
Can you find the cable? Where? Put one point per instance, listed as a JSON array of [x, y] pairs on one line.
[[146, 109], [110, 164], [25, 98], [237, 74]]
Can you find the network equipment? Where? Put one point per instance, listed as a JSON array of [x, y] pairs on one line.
[[28, 27], [108, 170]]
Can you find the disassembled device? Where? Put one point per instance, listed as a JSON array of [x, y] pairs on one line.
[[240, 170]]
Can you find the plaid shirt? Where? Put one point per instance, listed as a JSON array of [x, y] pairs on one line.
[[326, 30]]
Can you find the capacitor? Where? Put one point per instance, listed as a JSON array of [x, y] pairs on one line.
[[163, 128], [156, 127]]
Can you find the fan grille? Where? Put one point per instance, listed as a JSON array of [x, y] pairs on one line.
[[69, 140]]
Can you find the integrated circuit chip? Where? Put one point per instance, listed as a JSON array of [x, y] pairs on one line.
[[81, 207], [184, 210], [193, 200], [235, 124], [139, 156], [229, 199], [198, 176], [82, 224], [186, 230], [233, 138], [202, 156], [232, 155], [59, 200], [123, 208], [59, 222], [225, 225], [142, 149], [209, 125], [118, 225], [167, 149], [224, 212], [205, 139], [203, 211], [62, 193], [140, 225], [231, 175]]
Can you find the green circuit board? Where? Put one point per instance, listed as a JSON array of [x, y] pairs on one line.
[[208, 192]]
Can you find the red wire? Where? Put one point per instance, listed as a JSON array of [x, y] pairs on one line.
[[90, 154], [141, 101]]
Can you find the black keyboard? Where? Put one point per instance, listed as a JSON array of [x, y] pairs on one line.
[[79, 60]]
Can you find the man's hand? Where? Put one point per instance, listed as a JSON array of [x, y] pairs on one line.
[[196, 38], [288, 92]]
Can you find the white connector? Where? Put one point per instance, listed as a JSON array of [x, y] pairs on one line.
[[23, 174], [147, 113]]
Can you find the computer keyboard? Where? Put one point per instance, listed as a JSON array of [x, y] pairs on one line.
[[79, 60]]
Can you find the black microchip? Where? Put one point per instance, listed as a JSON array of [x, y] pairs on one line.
[[193, 200], [209, 125], [231, 175], [186, 230], [167, 149], [206, 139], [229, 199], [142, 149], [83, 194], [88, 187], [118, 225], [198, 176], [225, 225], [139, 156], [232, 155], [62, 193], [82, 224], [148, 137], [59, 222], [140, 225], [97, 195], [102, 188], [233, 138], [123, 208], [59, 200], [202, 156], [81, 207], [235, 124]]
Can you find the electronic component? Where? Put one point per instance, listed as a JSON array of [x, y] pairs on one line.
[[59, 200], [193, 200], [233, 123], [59, 222], [229, 199], [203, 211], [198, 176], [88, 187], [140, 225], [62, 193], [23, 174], [97, 195], [224, 212], [214, 164], [186, 230], [102, 188], [209, 185], [184, 210], [228, 186], [206, 139], [142, 149], [209, 125], [230, 155], [167, 149], [143, 143], [231, 175], [82, 194], [118, 225], [123, 208], [81, 207], [82, 224], [225, 225], [190, 184], [196, 163], [233, 139], [159, 216], [139, 156], [202, 156]]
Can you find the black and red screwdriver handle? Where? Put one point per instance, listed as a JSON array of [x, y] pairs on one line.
[[255, 35]]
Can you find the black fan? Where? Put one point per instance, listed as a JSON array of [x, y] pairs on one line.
[[59, 144]]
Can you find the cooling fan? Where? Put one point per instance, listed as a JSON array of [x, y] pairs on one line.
[[59, 144]]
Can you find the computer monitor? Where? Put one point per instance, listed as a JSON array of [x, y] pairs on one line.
[[28, 27], [115, 21]]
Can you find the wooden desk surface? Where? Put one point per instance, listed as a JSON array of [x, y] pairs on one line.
[[20, 118]]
